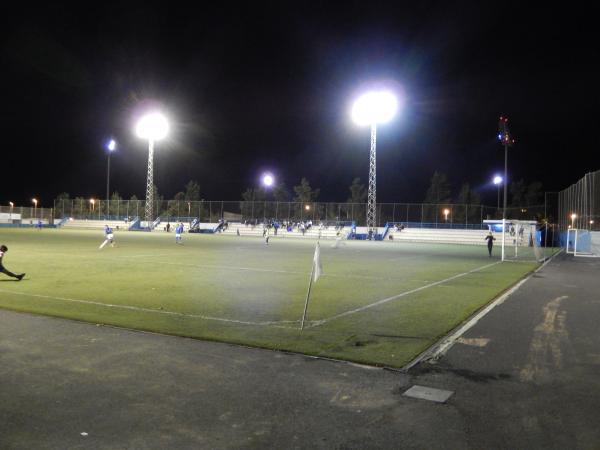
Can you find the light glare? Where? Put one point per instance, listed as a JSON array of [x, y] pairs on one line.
[[153, 126], [112, 145], [497, 179], [268, 179], [374, 107]]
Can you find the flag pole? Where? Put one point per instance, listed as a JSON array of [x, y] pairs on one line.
[[312, 272]]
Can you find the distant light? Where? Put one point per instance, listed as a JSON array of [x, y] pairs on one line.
[[34, 200], [92, 201], [374, 107], [573, 216], [268, 180], [497, 179], [500, 136], [111, 146], [307, 207], [446, 211], [591, 222], [153, 127], [11, 204]]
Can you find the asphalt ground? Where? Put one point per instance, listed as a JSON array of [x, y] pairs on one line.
[[525, 376]]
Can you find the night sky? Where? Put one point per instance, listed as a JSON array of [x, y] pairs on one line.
[[270, 85]]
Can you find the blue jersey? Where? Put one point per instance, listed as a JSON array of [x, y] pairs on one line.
[[108, 230], [179, 229]]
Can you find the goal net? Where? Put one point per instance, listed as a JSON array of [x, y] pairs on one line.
[[522, 242], [583, 242]]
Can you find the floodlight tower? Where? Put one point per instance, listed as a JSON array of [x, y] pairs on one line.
[[506, 139], [153, 127], [111, 147], [370, 109]]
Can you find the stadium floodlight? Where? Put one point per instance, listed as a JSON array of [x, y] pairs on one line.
[[12, 205], [505, 137], [268, 180], [93, 203], [573, 217], [446, 212], [153, 127], [35, 202], [111, 146], [307, 207], [372, 108], [498, 181]]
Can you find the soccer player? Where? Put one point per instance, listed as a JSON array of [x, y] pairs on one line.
[[178, 231], [490, 242], [3, 250], [108, 237]]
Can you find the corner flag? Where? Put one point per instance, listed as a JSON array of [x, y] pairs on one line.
[[317, 270], [318, 267]]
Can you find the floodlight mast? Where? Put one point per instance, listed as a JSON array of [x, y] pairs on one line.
[[153, 127], [370, 109]]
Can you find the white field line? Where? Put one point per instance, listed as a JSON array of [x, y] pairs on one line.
[[155, 311], [397, 296], [439, 349]]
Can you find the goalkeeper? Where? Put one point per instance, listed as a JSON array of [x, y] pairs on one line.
[[490, 242], [3, 250]]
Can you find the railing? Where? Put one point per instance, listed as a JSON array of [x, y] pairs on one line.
[[433, 215]]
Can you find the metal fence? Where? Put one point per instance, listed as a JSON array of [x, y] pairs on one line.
[[27, 214], [579, 204], [441, 215]]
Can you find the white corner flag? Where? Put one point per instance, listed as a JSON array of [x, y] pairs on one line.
[[318, 270]]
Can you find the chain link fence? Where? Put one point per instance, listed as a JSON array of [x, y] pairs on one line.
[[579, 204], [25, 215], [415, 214]]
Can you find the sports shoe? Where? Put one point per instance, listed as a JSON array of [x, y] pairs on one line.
[[20, 277]]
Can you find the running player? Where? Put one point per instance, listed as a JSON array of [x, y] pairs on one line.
[[108, 237], [3, 250]]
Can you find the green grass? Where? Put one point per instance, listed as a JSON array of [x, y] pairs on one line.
[[240, 290]]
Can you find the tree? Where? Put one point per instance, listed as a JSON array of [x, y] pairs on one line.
[[533, 195], [439, 189], [468, 197], [517, 193], [115, 206], [281, 193], [192, 191], [304, 193], [358, 192], [62, 203]]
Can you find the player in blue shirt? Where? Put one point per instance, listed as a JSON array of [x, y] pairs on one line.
[[3, 250], [178, 232], [108, 237]]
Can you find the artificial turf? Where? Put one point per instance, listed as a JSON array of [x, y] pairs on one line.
[[239, 290]]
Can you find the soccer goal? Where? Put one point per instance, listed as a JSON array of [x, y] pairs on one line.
[[583, 243], [522, 242]]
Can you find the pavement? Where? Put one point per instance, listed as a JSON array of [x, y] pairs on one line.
[[525, 376]]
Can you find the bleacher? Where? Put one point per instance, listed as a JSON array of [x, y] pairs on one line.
[[440, 235], [312, 233], [96, 224]]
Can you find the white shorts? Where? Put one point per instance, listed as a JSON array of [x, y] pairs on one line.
[[109, 237], [177, 235]]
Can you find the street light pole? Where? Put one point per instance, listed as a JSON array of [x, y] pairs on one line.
[[507, 140]]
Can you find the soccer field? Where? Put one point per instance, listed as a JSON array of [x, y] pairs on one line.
[[376, 302]]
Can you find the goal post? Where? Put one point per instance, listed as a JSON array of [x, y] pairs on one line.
[[522, 241], [584, 243]]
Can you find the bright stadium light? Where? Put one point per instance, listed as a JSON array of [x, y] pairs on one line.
[[372, 108], [35, 202], [307, 207], [446, 212], [111, 146], [573, 217], [268, 180], [93, 203], [498, 181], [153, 126]]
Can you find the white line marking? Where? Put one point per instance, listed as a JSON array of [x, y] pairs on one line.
[[156, 311], [438, 350], [397, 296]]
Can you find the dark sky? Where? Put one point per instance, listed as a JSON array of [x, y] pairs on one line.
[[269, 86]]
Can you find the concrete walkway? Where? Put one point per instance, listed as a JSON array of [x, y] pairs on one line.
[[526, 376]]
